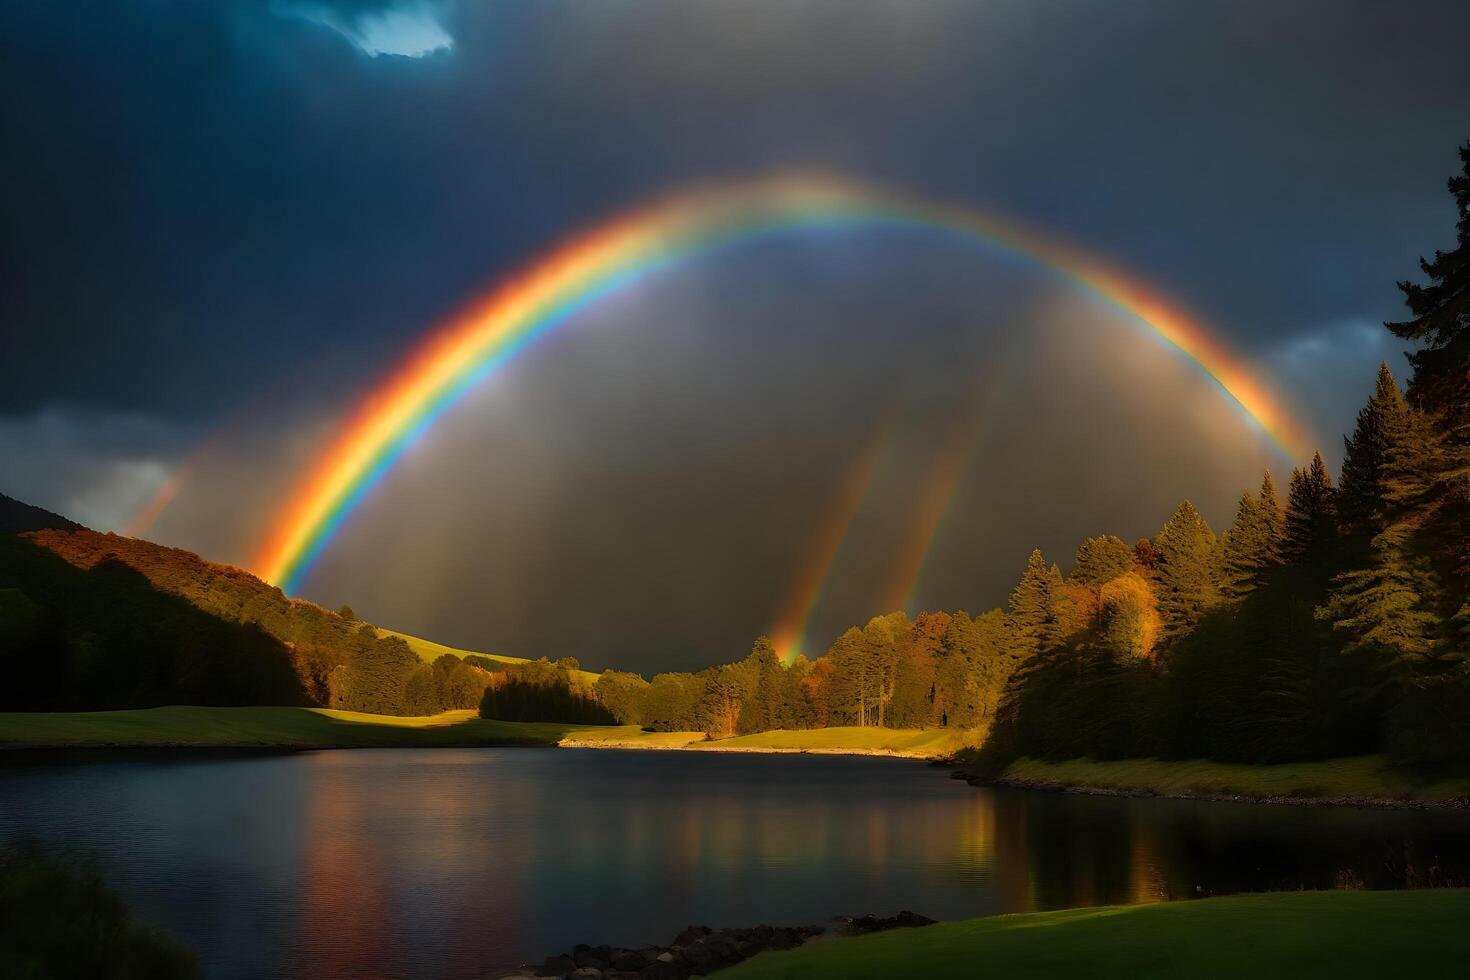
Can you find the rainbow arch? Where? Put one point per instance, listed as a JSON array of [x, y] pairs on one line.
[[589, 266]]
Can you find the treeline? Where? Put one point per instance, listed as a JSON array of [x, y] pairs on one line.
[[543, 691], [1337, 625], [93, 621], [938, 670]]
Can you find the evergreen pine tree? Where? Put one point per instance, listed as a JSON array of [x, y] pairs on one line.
[[1100, 560], [1029, 605], [1188, 571], [1360, 491], [1441, 321], [1060, 611], [1311, 517], [1388, 605], [1273, 520], [1245, 547]]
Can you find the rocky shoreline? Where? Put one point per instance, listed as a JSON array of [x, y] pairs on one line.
[[700, 950]]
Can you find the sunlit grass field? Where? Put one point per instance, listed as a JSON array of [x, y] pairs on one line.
[[928, 743], [1358, 776], [1286, 934], [267, 727], [629, 736]]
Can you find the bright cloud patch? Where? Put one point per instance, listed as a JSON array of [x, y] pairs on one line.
[[411, 29]]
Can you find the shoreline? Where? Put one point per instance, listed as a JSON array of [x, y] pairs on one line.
[[1360, 782], [1355, 802]]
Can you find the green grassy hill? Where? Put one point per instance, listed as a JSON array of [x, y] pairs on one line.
[[1343, 935], [428, 651]]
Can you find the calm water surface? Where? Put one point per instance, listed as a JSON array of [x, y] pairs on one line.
[[453, 864]]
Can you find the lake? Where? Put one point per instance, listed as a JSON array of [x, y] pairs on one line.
[[443, 864]]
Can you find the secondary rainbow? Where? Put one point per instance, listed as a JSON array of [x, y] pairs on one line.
[[789, 634], [593, 264]]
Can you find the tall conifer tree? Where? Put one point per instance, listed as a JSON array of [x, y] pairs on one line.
[[1246, 547], [1188, 571], [1273, 520], [1360, 492], [1440, 320], [1311, 516]]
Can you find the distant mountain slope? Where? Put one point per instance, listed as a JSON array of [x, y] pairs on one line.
[[17, 516]]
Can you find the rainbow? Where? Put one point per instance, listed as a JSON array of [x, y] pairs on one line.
[[789, 633], [936, 496], [592, 265]]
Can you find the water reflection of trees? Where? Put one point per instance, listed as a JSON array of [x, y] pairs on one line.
[[1060, 851]]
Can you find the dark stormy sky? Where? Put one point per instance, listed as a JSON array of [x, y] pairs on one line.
[[224, 221]]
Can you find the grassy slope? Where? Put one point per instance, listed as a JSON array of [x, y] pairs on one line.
[[1361, 776], [429, 651], [266, 727], [1287, 935]]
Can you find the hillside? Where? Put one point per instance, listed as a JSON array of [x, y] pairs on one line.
[[428, 651], [17, 516], [101, 621]]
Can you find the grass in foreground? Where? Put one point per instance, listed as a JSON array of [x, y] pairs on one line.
[[1368, 776], [267, 728], [1287, 935]]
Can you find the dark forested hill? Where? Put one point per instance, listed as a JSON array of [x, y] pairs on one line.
[[96, 621], [17, 516]]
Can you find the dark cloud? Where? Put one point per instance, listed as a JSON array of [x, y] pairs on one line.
[[204, 203]]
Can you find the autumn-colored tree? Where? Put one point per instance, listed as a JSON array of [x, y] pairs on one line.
[[1128, 624], [816, 692], [914, 694]]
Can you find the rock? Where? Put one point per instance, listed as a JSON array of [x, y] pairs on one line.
[[700, 959], [586, 956], [632, 960], [663, 970], [665, 957], [911, 920], [691, 934], [585, 973], [558, 966]]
